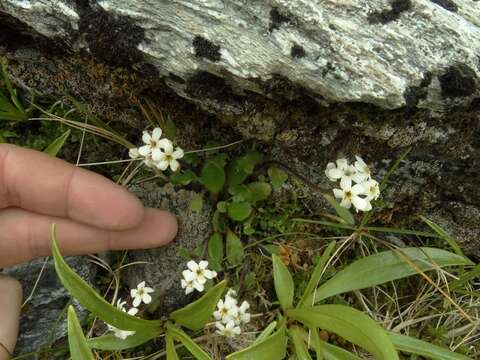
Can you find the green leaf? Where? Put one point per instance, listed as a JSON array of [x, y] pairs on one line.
[[235, 174], [182, 177], [171, 351], [283, 281], [258, 191], [332, 352], [414, 346], [341, 211], [112, 343], [79, 349], [170, 129], [213, 176], [57, 144], [316, 343], [266, 332], [274, 347], [235, 251], [444, 235], [197, 203], [248, 162], [301, 350], [218, 222], [277, 177], [194, 316], [239, 211], [215, 251], [351, 324], [96, 304], [191, 346], [387, 266], [463, 279], [307, 297]]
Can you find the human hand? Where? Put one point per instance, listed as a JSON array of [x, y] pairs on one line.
[[92, 215]]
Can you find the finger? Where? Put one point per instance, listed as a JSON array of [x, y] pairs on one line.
[[43, 184], [10, 304], [26, 235]]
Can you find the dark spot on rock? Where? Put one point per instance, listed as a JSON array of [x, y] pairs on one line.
[[112, 39], [386, 16], [206, 85], [446, 4], [328, 68], [176, 78], [277, 19], [297, 51], [458, 80], [414, 94], [206, 49]]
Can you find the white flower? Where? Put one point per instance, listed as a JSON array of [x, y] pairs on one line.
[[151, 141], [189, 282], [231, 294], [141, 293], [228, 330], [200, 271], [167, 157], [226, 310], [149, 162], [121, 304], [242, 316], [362, 169], [371, 189], [123, 334], [351, 195], [133, 153], [335, 171]]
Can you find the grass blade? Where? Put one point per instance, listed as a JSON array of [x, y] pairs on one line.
[[443, 234], [301, 350], [57, 144], [187, 341]]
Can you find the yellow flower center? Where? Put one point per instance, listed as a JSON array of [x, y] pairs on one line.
[[168, 157], [348, 194]]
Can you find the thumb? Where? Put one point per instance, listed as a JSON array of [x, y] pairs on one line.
[[10, 304]]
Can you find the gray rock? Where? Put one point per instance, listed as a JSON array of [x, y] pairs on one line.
[[43, 318], [391, 54], [165, 265]]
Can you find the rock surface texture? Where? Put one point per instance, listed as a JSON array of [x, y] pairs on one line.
[[391, 54], [44, 315]]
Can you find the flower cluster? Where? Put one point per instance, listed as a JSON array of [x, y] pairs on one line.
[[195, 277], [157, 153], [229, 316], [139, 295], [356, 184]]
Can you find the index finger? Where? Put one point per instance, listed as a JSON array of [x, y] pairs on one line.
[[41, 183]]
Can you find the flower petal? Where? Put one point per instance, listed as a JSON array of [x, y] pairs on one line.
[[162, 165], [146, 138], [178, 153], [136, 301], [166, 145], [346, 183], [338, 193], [359, 203], [346, 203], [174, 165], [147, 299], [192, 265], [156, 134], [144, 150]]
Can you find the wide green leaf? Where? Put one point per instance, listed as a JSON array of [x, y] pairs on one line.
[[54, 148], [235, 251], [111, 342], [341, 211], [235, 173], [414, 346], [96, 304], [79, 349], [239, 211], [215, 251], [351, 324], [248, 162], [301, 350], [194, 316], [259, 191], [387, 266], [274, 347], [213, 176], [284, 286], [308, 294], [332, 352], [171, 351], [187, 341], [196, 205]]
